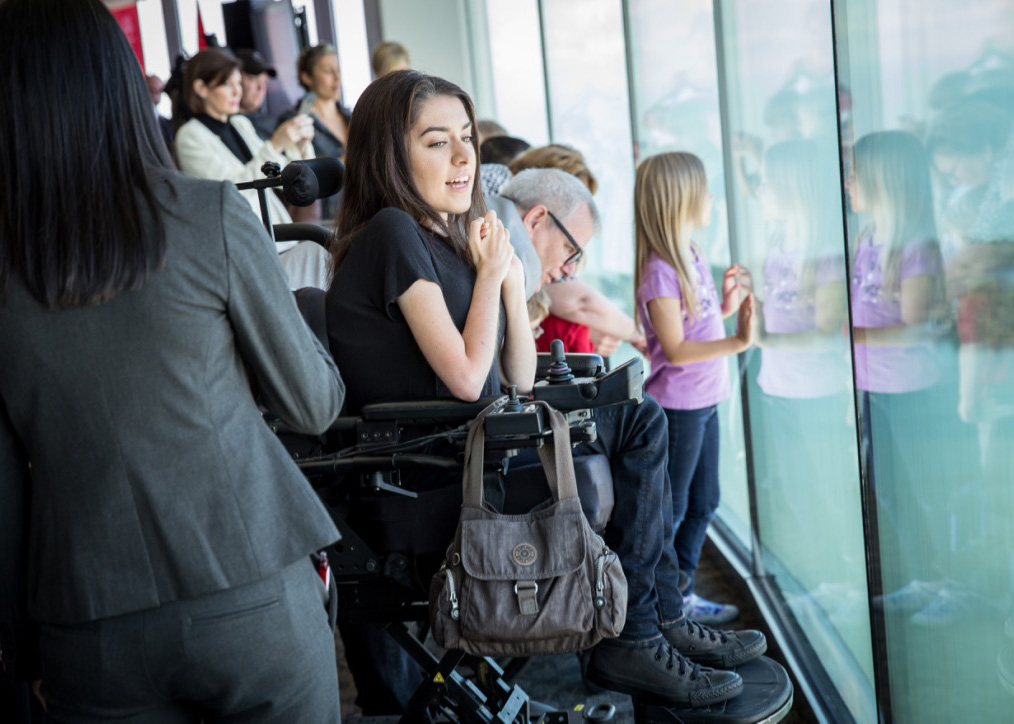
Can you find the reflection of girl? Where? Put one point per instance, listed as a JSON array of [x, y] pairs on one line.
[[804, 374], [896, 288], [897, 281], [682, 318], [803, 275]]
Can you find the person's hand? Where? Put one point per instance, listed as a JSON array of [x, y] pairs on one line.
[[297, 131], [605, 345], [640, 343], [490, 247], [736, 286], [746, 330]]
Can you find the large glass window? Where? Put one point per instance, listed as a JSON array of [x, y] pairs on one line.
[[586, 69], [785, 193], [930, 89], [515, 48]]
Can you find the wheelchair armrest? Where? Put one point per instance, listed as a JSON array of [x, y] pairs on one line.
[[428, 411], [303, 232]]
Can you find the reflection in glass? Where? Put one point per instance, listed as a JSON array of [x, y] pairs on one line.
[[804, 374], [786, 191]]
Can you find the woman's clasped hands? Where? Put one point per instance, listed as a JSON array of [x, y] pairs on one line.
[[489, 246]]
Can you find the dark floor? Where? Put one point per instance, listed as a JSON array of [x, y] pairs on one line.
[[557, 680]]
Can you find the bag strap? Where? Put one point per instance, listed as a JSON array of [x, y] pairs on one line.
[[555, 455], [475, 450]]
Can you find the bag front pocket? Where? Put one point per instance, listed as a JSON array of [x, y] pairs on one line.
[[492, 610]]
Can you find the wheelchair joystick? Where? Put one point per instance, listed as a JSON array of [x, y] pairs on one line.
[[513, 403], [559, 370]]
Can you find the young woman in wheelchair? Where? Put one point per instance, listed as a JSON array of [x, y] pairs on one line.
[[427, 301]]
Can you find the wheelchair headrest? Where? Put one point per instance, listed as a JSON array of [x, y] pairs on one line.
[[310, 302]]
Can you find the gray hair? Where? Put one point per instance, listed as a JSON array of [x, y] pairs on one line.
[[558, 191]]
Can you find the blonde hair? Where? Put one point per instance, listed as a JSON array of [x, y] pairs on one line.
[[387, 56], [556, 155], [893, 175], [538, 307], [670, 191]]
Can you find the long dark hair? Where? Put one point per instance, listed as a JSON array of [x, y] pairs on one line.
[[77, 140], [377, 169]]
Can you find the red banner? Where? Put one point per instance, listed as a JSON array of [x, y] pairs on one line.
[[127, 18]]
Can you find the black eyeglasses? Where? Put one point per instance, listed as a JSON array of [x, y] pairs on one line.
[[579, 252]]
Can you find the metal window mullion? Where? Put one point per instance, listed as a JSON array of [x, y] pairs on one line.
[[867, 492], [757, 559], [545, 69]]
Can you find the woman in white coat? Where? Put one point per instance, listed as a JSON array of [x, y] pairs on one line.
[[218, 142]]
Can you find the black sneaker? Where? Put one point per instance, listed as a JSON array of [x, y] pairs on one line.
[[659, 675], [710, 647]]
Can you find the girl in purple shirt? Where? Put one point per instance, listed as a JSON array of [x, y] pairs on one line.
[[682, 316]]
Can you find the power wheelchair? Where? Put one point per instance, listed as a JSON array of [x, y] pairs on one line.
[[383, 562], [381, 569]]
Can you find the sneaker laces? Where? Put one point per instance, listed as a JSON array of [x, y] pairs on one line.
[[675, 657], [702, 631]]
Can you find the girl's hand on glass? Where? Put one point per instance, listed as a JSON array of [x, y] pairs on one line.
[[736, 286], [746, 329], [489, 246]]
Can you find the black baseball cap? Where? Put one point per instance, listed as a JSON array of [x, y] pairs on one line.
[[253, 63]]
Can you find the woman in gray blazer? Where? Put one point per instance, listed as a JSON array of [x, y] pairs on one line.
[[154, 534]]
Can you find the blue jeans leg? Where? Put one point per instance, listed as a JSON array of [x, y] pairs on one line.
[[633, 437], [693, 474]]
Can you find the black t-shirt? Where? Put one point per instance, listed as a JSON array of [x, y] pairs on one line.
[[371, 342]]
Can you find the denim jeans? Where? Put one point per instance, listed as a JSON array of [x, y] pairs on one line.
[[693, 473], [633, 437]]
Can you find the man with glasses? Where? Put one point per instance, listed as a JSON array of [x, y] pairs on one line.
[[552, 218]]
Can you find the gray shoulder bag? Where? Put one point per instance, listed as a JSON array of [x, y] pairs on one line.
[[525, 585]]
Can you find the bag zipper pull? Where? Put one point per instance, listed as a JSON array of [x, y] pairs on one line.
[[453, 596], [600, 584]]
